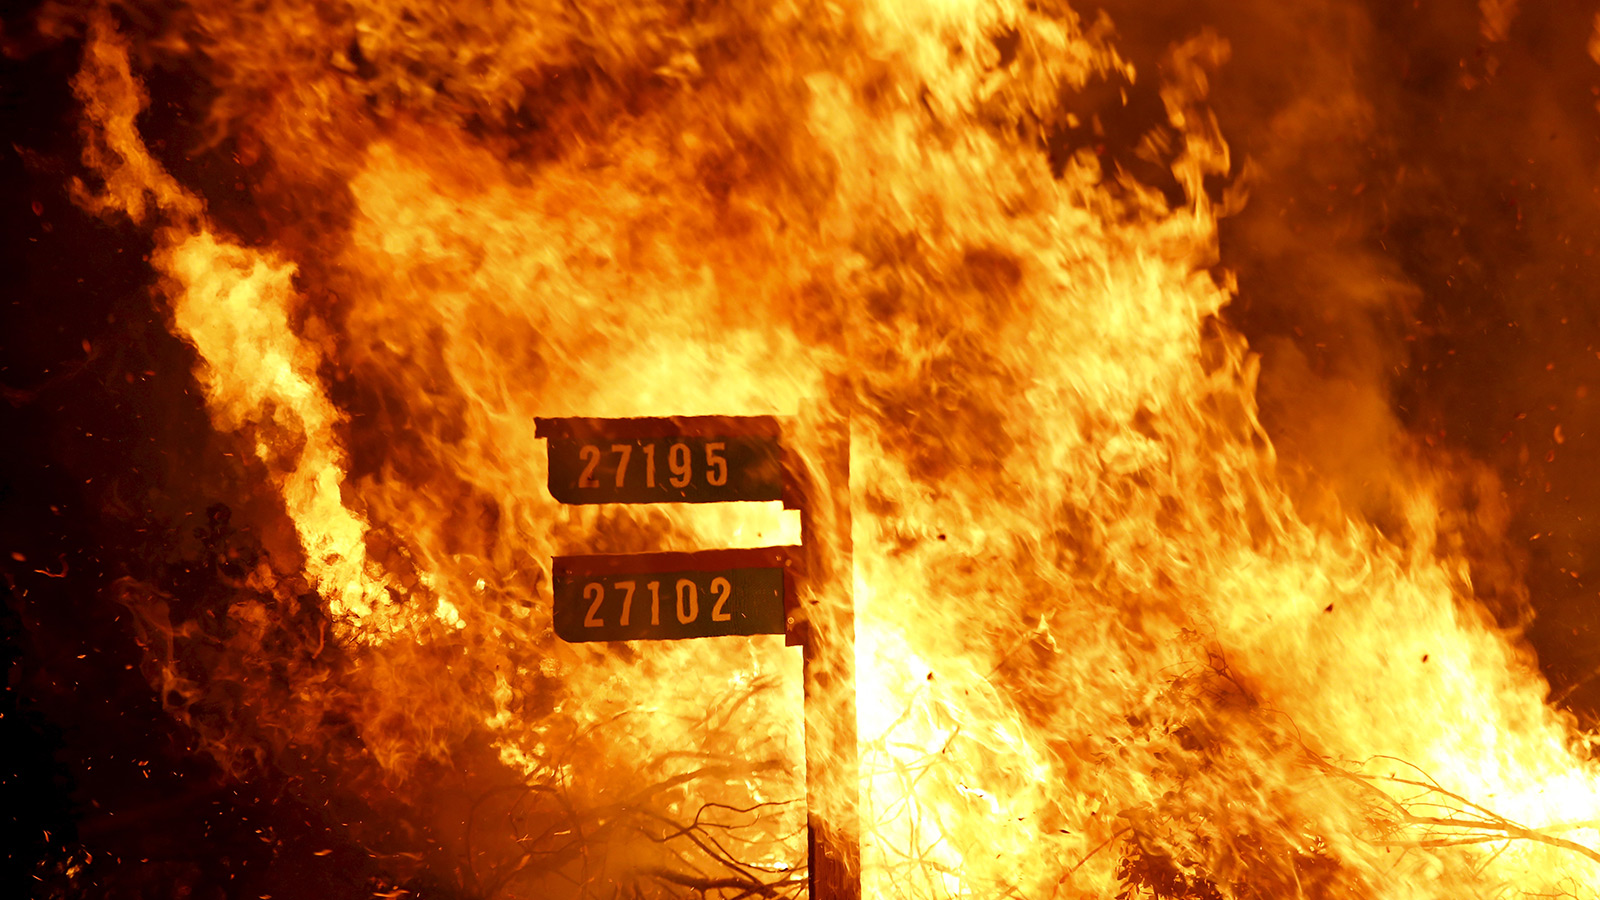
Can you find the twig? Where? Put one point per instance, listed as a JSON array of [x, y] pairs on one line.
[[711, 884], [1485, 826], [1097, 848]]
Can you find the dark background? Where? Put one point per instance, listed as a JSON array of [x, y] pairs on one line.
[[1416, 265], [102, 434]]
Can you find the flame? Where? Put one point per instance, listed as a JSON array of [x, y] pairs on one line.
[[1101, 649]]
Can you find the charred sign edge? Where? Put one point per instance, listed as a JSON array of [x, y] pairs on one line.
[[585, 428]]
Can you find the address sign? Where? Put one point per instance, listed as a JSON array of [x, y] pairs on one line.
[[671, 596], [668, 596], [687, 459]]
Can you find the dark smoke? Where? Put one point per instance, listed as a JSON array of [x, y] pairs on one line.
[[1417, 266]]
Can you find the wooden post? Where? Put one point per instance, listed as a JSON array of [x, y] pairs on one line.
[[832, 769]]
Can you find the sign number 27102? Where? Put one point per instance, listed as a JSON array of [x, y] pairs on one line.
[[670, 602], [688, 601]]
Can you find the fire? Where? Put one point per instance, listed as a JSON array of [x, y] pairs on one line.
[[1103, 649]]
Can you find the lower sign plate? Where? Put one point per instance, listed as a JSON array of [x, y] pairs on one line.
[[671, 596]]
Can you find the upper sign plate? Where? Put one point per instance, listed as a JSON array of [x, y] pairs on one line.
[[687, 459]]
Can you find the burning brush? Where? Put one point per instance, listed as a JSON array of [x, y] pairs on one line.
[[412, 264]]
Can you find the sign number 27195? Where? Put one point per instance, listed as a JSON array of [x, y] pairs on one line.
[[678, 458]]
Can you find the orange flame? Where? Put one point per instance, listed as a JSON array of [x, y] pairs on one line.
[[1100, 648]]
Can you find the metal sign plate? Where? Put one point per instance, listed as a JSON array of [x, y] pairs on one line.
[[684, 459], [672, 596]]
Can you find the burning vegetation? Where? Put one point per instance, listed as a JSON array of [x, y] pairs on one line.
[[1189, 556]]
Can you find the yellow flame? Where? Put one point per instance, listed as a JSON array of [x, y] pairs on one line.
[[1096, 636], [233, 305]]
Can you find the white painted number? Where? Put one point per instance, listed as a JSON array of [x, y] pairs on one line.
[[590, 453], [688, 601], [627, 600], [680, 462], [678, 459], [723, 590], [718, 476], [688, 605], [625, 451]]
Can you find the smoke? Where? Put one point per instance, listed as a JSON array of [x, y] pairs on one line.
[[1415, 268]]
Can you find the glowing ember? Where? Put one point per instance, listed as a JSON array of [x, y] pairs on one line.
[[1107, 644]]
